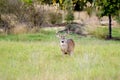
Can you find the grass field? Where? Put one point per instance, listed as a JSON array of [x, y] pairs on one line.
[[38, 57]]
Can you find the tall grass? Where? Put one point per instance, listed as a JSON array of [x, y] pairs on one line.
[[102, 32], [38, 57]]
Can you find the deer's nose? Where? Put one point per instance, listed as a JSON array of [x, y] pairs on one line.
[[62, 41]]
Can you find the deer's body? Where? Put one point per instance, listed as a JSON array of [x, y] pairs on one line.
[[66, 45]]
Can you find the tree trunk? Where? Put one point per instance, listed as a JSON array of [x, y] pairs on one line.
[[0, 18], [110, 27]]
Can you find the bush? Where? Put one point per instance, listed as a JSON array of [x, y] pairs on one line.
[[99, 32], [118, 18], [75, 28], [54, 18], [69, 17], [20, 14], [31, 16], [10, 6], [18, 29]]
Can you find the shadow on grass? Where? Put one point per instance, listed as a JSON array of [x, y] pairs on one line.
[[114, 38]]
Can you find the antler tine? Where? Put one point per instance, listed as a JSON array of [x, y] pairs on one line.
[[68, 31], [57, 34]]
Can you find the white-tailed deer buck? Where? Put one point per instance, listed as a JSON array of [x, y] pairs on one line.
[[67, 45]]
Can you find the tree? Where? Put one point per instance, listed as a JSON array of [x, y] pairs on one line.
[[108, 8], [8, 7], [68, 6], [74, 5]]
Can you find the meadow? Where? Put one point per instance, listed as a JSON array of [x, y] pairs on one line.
[[38, 57]]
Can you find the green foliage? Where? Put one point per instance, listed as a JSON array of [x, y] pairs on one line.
[[45, 1], [55, 18], [2, 5], [107, 7], [102, 33], [27, 1], [10, 6], [69, 17], [116, 32], [42, 36], [118, 17], [68, 5], [79, 4]]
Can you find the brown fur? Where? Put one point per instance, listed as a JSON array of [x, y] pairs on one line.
[[67, 45], [70, 47]]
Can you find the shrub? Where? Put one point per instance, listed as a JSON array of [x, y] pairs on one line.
[[76, 28], [18, 29], [31, 16], [118, 18], [99, 32], [68, 5], [54, 18], [69, 17]]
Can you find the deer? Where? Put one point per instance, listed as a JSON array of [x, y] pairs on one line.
[[67, 45]]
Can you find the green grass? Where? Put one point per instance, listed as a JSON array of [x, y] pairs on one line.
[[43, 35], [38, 57], [103, 32]]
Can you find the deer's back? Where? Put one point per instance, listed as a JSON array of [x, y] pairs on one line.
[[71, 44]]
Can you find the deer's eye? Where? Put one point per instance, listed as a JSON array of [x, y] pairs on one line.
[[62, 41]]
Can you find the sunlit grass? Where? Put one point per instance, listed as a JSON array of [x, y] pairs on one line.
[[38, 57], [103, 32]]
